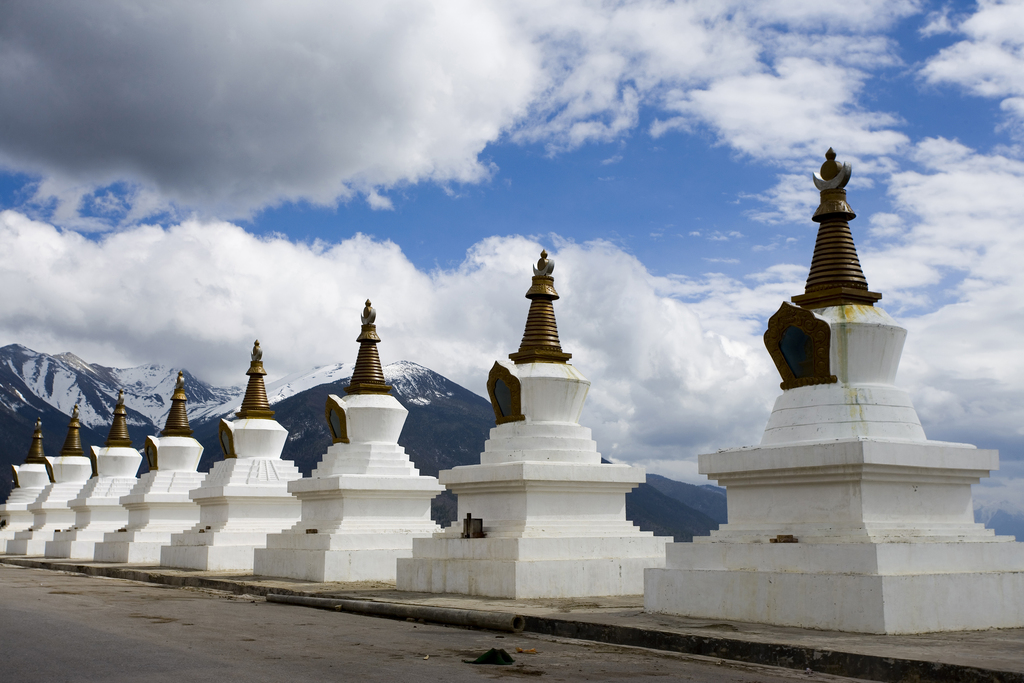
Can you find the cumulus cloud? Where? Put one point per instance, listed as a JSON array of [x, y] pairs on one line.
[[951, 267], [232, 107], [196, 294], [989, 62], [677, 362]]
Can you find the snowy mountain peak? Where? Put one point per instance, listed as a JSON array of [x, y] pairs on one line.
[[65, 380]]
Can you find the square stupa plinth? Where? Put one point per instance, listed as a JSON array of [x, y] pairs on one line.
[[159, 505], [362, 506], [98, 505], [245, 496], [50, 510], [845, 517], [553, 515], [365, 503], [30, 479]]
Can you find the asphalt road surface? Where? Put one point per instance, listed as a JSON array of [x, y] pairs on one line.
[[64, 627]]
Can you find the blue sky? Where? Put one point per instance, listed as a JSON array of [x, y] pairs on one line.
[[177, 179]]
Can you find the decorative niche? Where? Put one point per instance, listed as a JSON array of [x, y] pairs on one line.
[[334, 412], [226, 438], [506, 394], [799, 343], [151, 451]]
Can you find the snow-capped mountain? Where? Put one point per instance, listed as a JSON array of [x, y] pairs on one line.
[[415, 383], [65, 380]]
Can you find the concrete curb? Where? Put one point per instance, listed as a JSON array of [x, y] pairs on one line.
[[850, 664]]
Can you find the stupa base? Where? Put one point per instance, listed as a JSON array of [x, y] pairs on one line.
[[28, 546], [336, 557], [890, 588], [208, 557], [556, 567], [133, 547]]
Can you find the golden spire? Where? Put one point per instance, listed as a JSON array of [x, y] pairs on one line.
[[255, 404], [540, 339], [73, 442], [177, 419], [367, 376], [835, 277], [118, 436], [35, 451]]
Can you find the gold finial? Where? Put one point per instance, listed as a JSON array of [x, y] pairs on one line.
[[540, 339], [35, 451], [367, 376], [118, 436], [255, 405], [835, 277], [177, 418], [73, 441]]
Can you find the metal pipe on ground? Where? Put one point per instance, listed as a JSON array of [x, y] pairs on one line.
[[495, 621]]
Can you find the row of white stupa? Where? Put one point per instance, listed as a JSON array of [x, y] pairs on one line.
[[845, 516]]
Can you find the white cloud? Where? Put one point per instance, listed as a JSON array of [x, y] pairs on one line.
[[232, 106], [196, 295], [955, 255], [802, 109], [990, 61], [228, 108]]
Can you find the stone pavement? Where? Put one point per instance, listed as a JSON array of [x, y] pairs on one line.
[[994, 655]]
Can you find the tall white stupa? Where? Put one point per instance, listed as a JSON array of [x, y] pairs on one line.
[[845, 517], [50, 510], [158, 505], [245, 496], [29, 481], [541, 516], [365, 502], [98, 505]]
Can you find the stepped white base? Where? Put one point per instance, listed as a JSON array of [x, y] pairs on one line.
[[135, 547], [856, 587], [72, 545], [50, 513], [16, 513], [335, 557], [562, 567], [158, 507], [209, 558], [240, 502], [97, 510], [363, 523]]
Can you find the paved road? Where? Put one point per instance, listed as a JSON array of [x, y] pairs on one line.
[[62, 627]]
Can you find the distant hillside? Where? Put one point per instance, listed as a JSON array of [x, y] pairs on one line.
[[707, 499]]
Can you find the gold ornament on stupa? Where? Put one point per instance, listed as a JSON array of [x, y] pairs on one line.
[[540, 339], [835, 277], [35, 451], [73, 441], [368, 376], [177, 419], [118, 436], [255, 405]]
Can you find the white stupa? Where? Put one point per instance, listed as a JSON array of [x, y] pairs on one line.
[[541, 516], [845, 517], [29, 481], [245, 496], [158, 505], [365, 502], [50, 511], [98, 505]]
